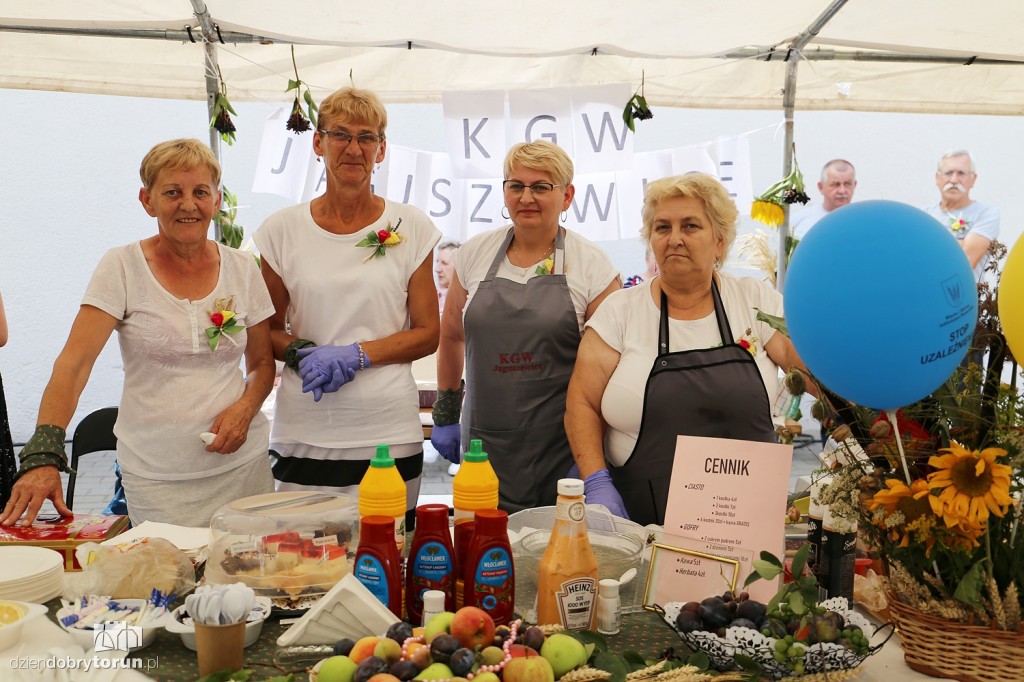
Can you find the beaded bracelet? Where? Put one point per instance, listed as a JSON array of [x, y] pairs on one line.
[[362, 356]]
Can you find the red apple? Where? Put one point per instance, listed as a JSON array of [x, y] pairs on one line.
[[473, 627], [528, 669], [521, 651]]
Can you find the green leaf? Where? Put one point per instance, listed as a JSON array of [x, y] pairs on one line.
[[611, 663], [308, 97], [796, 603], [775, 322], [292, 85], [800, 560], [766, 569], [590, 639], [969, 588], [212, 331], [635, 660], [369, 240], [746, 663], [770, 558], [699, 659], [233, 328]]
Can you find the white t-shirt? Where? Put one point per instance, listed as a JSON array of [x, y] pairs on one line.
[[628, 321], [174, 385], [337, 298], [806, 219], [589, 271]]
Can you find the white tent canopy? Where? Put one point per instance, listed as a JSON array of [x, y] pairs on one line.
[[940, 56]]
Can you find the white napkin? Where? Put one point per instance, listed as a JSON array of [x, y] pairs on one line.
[[183, 537]]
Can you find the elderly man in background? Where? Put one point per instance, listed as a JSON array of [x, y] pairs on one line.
[[973, 223], [838, 180], [444, 266]]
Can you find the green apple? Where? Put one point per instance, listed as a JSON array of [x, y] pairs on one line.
[[336, 669], [564, 653], [528, 669], [435, 671], [441, 623]]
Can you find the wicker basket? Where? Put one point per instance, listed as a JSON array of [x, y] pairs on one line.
[[970, 653]]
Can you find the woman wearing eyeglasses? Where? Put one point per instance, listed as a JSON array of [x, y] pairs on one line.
[[515, 313], [350, 274]]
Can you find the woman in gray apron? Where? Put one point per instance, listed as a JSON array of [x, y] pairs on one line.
[[683, 354], [514, 312]]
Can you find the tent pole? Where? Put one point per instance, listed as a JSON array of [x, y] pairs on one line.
[[212, 72], [788, 100]]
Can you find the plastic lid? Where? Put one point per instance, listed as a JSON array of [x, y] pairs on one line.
[[570, 486], [432, 517], [433, 600], [491, 522], [609, 587], [383, 458], [374, 529], [476, 451]]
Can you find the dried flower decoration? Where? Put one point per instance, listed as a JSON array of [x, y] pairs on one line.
[[297, 122], [636, 107], [222, 109], [768, 208]]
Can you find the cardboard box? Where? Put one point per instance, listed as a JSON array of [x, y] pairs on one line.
[[65, 533]]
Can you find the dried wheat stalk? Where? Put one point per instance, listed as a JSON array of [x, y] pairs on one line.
[[649, 671], [584, 674]]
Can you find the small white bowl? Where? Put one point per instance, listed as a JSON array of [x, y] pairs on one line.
[[180, 622], [84, 637], [10, 634]]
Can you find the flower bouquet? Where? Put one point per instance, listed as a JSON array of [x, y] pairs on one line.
[[935, 489]]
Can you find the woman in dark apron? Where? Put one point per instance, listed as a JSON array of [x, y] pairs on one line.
[[514, 311], [682, 354]]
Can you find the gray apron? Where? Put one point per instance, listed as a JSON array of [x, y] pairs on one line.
[[521, 344], [714, 392]]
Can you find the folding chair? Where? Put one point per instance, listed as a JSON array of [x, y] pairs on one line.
[[95, 433]]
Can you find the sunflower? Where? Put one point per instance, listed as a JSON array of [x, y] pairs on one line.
[[908, 510], [769, 213], [974, 484]]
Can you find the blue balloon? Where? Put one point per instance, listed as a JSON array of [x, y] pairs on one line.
[[881, 303]]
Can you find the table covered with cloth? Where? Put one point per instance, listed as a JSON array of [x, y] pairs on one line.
[[167, 658]]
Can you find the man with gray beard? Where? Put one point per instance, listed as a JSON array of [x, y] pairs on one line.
[[973, 223]]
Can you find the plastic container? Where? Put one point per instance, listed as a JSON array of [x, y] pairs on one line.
[[608, 620], [382, 493], [567, 575], [378, 565], [475, 486], [489, 580], [433, 604], [284, 545], [431, 563], [620, 546]]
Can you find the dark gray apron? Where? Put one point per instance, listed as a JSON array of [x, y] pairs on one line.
[[521, 344], [714, 392]]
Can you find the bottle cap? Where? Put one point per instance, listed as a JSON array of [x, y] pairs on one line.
[[491, 521], [433, 600], [570, 486], [432, 517], [383, 458], [476, 452], [609, 587], [377, 529]]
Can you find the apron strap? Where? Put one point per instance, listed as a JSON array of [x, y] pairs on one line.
[[492, 271], [723, 320]]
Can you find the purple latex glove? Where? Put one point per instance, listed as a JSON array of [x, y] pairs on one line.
[[599, 489], [325, 369], [446, 440]]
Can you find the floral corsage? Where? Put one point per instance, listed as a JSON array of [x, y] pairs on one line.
[[380, 240], [546, 267], [959, 226], [223, 319], [748, 342]]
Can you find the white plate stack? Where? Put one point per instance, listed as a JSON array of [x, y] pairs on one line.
[[30, 574]]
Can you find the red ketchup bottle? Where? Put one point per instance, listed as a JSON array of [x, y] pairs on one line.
[[489, 576], [377, 564], [431, 562]]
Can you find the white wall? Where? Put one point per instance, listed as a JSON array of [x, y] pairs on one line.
[[69, 184]]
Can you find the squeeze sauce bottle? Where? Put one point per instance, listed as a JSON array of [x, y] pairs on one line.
[[378, 566], [489, 580], [567, 575], [431, 564], [382, 493], [474, 487]]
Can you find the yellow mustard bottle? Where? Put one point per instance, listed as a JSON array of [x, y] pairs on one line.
[[567, 575]]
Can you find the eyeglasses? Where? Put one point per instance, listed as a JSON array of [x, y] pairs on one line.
[[365, 140], [957, 174], [516, 188]]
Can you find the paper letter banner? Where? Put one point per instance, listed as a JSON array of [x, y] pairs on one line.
[[732, 155], [729, 501], [541, 115], [474, 126], [601, 140], [694, 159], [594, 212], [647, 166], [283, 160]]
